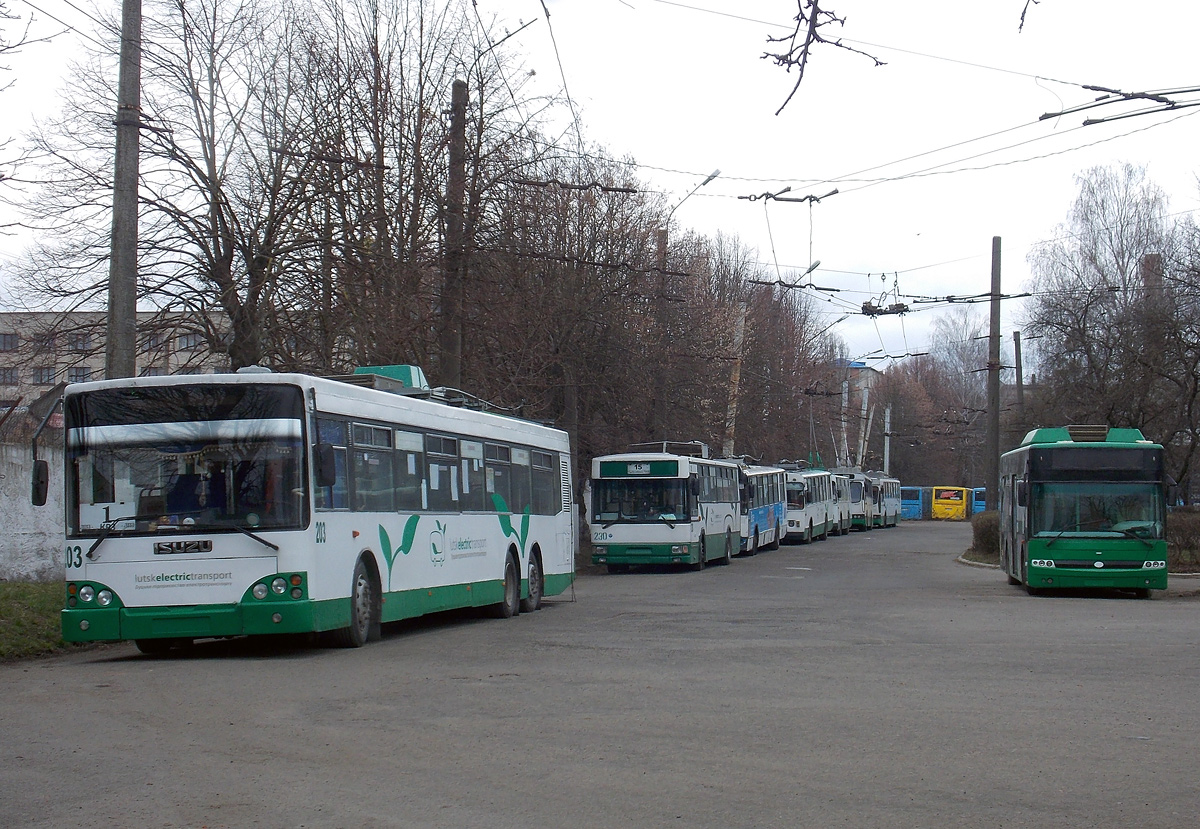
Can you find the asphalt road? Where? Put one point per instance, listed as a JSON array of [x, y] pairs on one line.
[[867, 681]]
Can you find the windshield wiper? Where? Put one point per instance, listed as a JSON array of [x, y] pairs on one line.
[[107, 528], [667, 521], [240, 529]]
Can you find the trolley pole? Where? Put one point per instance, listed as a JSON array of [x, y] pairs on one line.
[[993, 367]]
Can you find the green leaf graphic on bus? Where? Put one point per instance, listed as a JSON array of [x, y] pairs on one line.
[[437, 543], [406, 542], [506, 522]]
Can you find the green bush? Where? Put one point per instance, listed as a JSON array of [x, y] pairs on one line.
[[985, 531]]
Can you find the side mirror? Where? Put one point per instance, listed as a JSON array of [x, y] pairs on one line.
[[325, 465], [41, 483], [1022, 493]]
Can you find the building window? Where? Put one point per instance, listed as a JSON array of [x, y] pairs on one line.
[[155, 341], [79, 342], [152, 371], [43, 375], [189, 342], [8, 376], [9, 342], [79, 374]]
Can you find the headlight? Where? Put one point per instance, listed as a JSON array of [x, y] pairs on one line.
[[87, 593], [104, 598], [279, 585], [679, 549], [260, 591]]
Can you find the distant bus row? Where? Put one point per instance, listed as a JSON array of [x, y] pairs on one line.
[[670, 503], [945, 503]]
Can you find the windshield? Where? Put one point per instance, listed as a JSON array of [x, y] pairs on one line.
[[639, 501], [796, 491], [173, 458], [1097, 509], [856, 491]]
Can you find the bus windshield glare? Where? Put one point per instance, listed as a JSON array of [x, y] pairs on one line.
[[640, 500], [169, 459], [1097, 509]]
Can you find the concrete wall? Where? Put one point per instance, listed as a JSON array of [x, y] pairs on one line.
[[30, 537]]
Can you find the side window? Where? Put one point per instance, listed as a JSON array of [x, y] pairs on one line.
[[410, 472], [441, 459], [499, 477], [372, 468], [546, 499], [472, 497], [522, 493], [337, 496]]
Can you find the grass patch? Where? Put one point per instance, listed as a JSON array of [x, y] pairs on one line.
[[29, 619]]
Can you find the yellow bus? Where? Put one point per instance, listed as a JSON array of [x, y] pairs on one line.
[[950, 503]]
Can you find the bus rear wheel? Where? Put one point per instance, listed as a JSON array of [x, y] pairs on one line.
[[536, 586], [510, 605]]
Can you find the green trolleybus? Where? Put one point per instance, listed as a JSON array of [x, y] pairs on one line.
[[665, 503], [1084, 506], [255, 502]]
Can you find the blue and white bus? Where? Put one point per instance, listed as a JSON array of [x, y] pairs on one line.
[[764, 512]]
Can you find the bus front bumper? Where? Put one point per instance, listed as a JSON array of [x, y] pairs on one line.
[[646, 554], [1154, 578], [194, 622]]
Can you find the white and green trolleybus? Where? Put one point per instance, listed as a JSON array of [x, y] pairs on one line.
[[664, 503], [1084, 506], [256, 502]]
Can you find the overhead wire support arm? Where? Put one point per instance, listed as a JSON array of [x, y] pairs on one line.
[[1113, 96]]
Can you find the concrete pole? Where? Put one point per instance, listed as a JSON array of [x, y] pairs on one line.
[[887, 438], [451, 338], [992, 464], [121, 337], [735, 379], [1020, 378]]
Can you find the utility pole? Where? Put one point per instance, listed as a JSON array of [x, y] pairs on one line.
[[735, 379], [451, 335], [1020, 378], [992, 465], [887, 438], [121, 337]]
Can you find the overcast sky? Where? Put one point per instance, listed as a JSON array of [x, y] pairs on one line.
[[933, 153]]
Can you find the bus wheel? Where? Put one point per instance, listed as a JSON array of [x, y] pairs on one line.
[[728, 557], [752, 547], [699, 565], [778, 538], [362, 610], [510, 605], [808, 534], [157, 647], [1013, 580], [536, 586], [825, 531], [1143, 593]]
